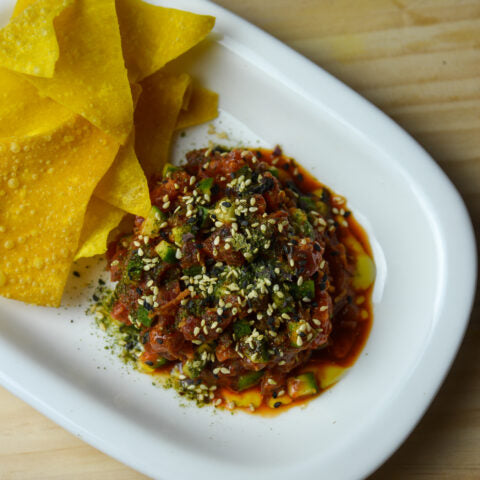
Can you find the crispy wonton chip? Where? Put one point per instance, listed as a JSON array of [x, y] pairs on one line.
[[28, 44], [90, 77], [124, 185], [23, 111], [46, 182], [152, 36], [202, 107], [100, 219], [155, 118]]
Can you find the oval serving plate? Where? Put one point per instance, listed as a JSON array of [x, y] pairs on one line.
[[423, 246]]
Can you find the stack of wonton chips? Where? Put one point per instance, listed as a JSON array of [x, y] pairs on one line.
[[87, 113]]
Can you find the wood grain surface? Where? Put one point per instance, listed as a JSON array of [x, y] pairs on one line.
[[419, 61]]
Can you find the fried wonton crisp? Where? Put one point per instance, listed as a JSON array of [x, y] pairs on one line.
[[152, 35], [202, 107], [46, 182], [90, 76], [124, 185], [155, 118], [28, 44], [100, 219], [23, 111]]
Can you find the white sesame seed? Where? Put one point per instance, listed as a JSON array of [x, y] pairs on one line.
[[166, 205]]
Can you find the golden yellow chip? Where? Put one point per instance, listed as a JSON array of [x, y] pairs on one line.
[[152, 36], [23, 111], [155, 118], [202, 107], [28, 44], [100, 219], [124, 185], [46, 182], [20, 6], [90, 77]]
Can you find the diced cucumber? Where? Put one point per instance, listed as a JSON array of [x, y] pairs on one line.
[[302, 385], [142, 316], [273, 171], [205, 185], [305, 290], [244, 399], [152, 222], [241, 328], [166, 251], [178, 233], [283, 301], [193, 368], [330, 374], [294, 331], [203, 216], [248, 380], [224, 211], [300, 222], [307, 203], [168, 169]]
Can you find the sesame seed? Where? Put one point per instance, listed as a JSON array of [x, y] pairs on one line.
[[196, 331], [166, 205], [300, 281], [165, 198], [178, 254], [322, 309], [216, 241]]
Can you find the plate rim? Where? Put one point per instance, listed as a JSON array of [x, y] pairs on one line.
[[304, 77]]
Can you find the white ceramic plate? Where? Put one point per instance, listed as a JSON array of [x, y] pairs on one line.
[[423, 246]]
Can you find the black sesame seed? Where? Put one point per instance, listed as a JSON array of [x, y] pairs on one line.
[[101, 282], [139, 290], [277, 404], [299, 177], [159, 341], [347, 214], [149, 363], [77, 274], [286, 166], [226, 204], [317, 247], [274, 394], [95, 298]]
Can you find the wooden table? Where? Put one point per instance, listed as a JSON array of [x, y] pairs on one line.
[[419, 61]]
